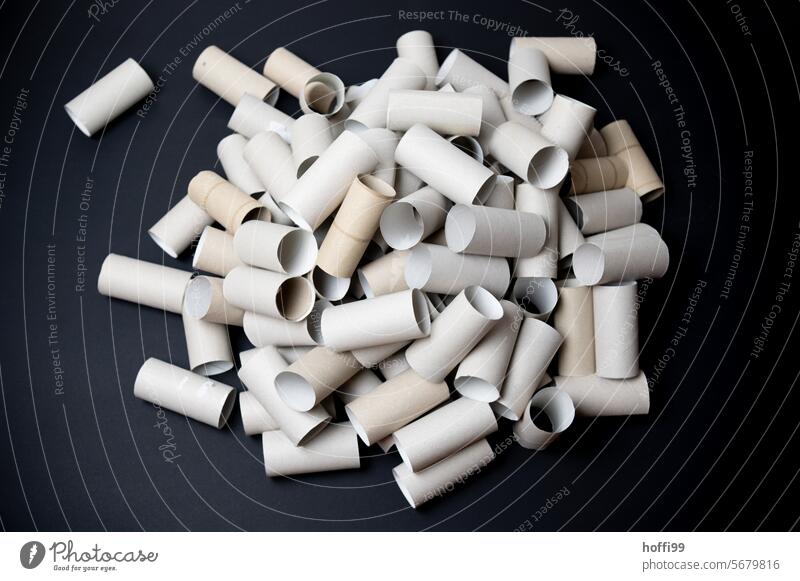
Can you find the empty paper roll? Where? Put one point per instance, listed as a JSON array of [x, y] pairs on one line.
[[208, 345], [597, 174], [272, 161], [384, 275], [269, 293], [443, 166], [321, 189], [215, 252], [255, 419], [315, 376], [462, 324], [537, 344], [224, 202], [463, 72], [567, 55], [492, 115], [569, 235], [230, 152], [529, 155], [252, 116], [468, 145], [494, 231], [371, 111], [406, 182], [360, 384], [445, 113], [511, 114], [546, 204], [393, 404], [593, 146], [324, 94], [596, 396], [529, 80], [205, 301], [356, 93], [393, 365], [535, 296], [568, 124], [176, 230], [420, 487], [437, 269], [310, 135], [413, 218], [616, 330], [335, 448], [317, 92], [384, 143], [603, 211], [184, 392], [276, 247], [109, 97], [549, 413], [262, 331], [144, 283], [417, 46], [574, 319], [502, 195], [292, 354], [230, 79], [642, 176], [329, 287]]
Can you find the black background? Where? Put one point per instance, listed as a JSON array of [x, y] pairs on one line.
[[719, 448]]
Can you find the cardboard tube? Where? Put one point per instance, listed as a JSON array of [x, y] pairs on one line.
[[271, 160], [616, 330], [324, 94], [356, 93], [406, 182], [408, 221], [360, 384], [184, 392], [384, 143], [230, 152], [384, 275], [443, 166], [593, 146], [317, 92], [642, 176], [269, 293], [549, 413], [354, 226], [445, 113], [511, 114], [176, 229], [208, 345], [393, 404], [143, 283], [603, 211], [315, 376], [468, 145], [253, 116], [437, 269], [494, 231], [569, 235], [420, 487], [329, 287], [546, 204], [537, 344], [502, 195], [529, 80], [417, 46], [255, 419], [386, 444], [109, 97], [215, 252], [258, 374], [630, 253], [463, 72], [335, 448], [230, 79], [393, 365], [262, 331], [537, 297], [596, 396], [574, 319], [321, 189], [529, 155], [480, 375], [568, 123], [597, 174], [492, 115], [205, 301], [310, 135], [293, 353], [276, 247], [224, 202], [567, 55]]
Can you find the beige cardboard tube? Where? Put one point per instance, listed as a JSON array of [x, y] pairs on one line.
[[144, 283], [272, 161], [616, 330], [642, 176], [597, 396], [461, 326], [537, 344], [109, 97], [546, 204], [360, 384], [569, 235], [567, 55], [420, 487], [315, 376], [393, 404], [529, 80], [437, 269], [324, 94], [230, 79], [230, 152], [443, 166], [184, 392], [593, 146], [384, 275], [546, 416], [276, 247], [536, 297], [445, 113], [354, 226], [568, 124], [255, 419], [502, 195], [463, 72], [384, 143], [269, 293], [603, 211], [597, 174], [335, 448], [205, 301], [329, 287], [529, 155], [492, 115], [208, 345], [494, 231], [176, 229], [413, 218], [574, 319], [480, 375], [215, 252], [417, 46], [252, 116], [224, 202], [317, 92], [321, 189], [262, 331], [310, 135], [444, 432], [258, 374]]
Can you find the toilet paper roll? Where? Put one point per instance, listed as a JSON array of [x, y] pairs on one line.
[[569, 235], [335, 448], [315, 376], [276, 247], [567, 55], [445, 113], [109, 97], [384, 143], [215, 252], [597, 174], [230, 152], [568, 124], [329, 287], [393, 365], [184, 392], [529, 155], [574, 319], [511, 114], [317, 92], [420, 487], [494, 231], [616, 330], [205, 301], [230, 79], [255, 419], [144, 283], [356, 93], [443, 166], [393, 404], [269, 293], [324, 94], [272, 161], [630, 253], [386, 444], [437, 269], [176, 229], [537, 344], [408, 221], [529, 80], [492, 115], [253, 116], [224, 202], [310, 135], [384, 275], [360, 384], [603, 211], [546, 204], [292, 354], [406, 182], [262, 331], [548, 414], [642, 176], [593, 146], [417, 46], [502, 195], [208, 345], [468, 145], [278, 217], [536, 297], [597, 396], [463, 72]]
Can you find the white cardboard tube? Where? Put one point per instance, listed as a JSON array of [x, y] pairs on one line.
[[335, 448], [311, 135], [293, 353], [536, 296], [384, 143], [567, 55], [413, 218], [642, 176], [230, 152], [176, 229], [384, 275], [208, 345], [569, 235], [469, 145], [324, 94], [269, 293], [445, 113], [492, 115], [443, 166], [597, 396], [603, 211], [252, 116], [205, 301], [529, 155], [494, 231], [616, 330], [262, 331], [593, 146], [109, 97], [215, 252], [502, 195], [272, 161], [529, 79], [546, 416], [230, 79], [630, 253], [537, 344], [597, 174], [417, 46], [276, 247], [360, 384], [406, 182], [144, 283], [437, 269], [511, 114], [255, 419], [420, 487], [393, 404], [356, 93], [545, 203], [568, 123], [574, 319], [184, 392], [315, 376], [393, 365], [224, 202], [462, 72]]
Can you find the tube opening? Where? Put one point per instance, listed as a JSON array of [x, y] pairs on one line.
[[548, 167], [198, 297], [295, 391], [459, 227], [295, 299], [419, 267], [297, 252], [328, 286], [588, 264], [484, 302], [422, 314], [536, 295], [402, 226], [227, 408], [477, 389], [533, 97]]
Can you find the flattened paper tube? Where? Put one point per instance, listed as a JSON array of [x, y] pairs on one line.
[[462, 72], [443, 166], [205, 301], [230, 79], [109, 97], [252, 116], [262, 331], [568, 123], [269, 293], [335, 448], [230, 152], [144, 283], [616, 330], [462, 324], [603, 211], [255, 419], [545, 203], [417, 46], [494, 231], [258, 374], [537, 344], [315, 376], [208, 345], [529, 155], [596, 396], [553, 403], [184, 392], [567, 55], [574, 319], [437, 269], [215, 252], [310, 136], [445, 113], [175, 231], [596, 174], [271, 160], [420, 487], [642, 176], [276, 247], [224, 202], [413, 218], [384, 275], [529, 79], [393, 404]]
